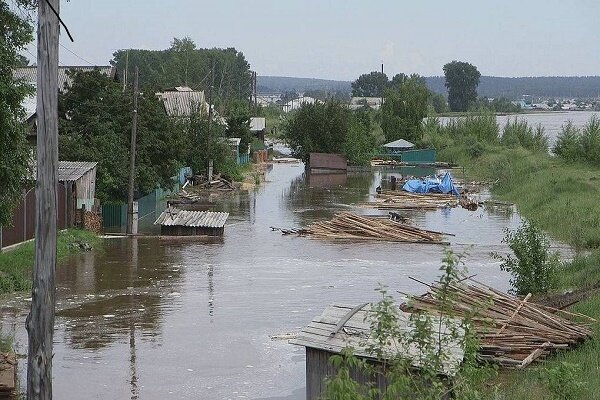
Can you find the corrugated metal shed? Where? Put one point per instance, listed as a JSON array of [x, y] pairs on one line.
[[69, 171], [176, 222], [29, 74], [183, 103]]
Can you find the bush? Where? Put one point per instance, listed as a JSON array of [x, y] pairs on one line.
[[562, 381], [480, 125], [533, 267], [567, 143], [590, 140], [404, 381], [518, 133]]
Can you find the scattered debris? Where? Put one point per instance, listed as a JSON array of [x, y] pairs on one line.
[[512, 332], [349, 226], [81, 245], [468, 203]]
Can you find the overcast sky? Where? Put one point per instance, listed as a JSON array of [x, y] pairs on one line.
[[340, 39]]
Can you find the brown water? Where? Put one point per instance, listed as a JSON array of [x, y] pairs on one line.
[[154, 319]]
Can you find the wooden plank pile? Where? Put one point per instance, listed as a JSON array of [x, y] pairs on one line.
[[400, 200], [349, 226], [512, 332], [8, 364]]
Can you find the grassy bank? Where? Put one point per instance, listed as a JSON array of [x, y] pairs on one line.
[[16, 264], [562, 198]]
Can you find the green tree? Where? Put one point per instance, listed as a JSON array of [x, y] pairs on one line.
[[403, 110], [238, 123], [438, 103], [185, 64], [370, 85], [462, 80], [329, 127], [95, 125], [15, 34]]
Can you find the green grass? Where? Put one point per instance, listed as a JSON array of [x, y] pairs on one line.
[[16, 264], [563, 199]]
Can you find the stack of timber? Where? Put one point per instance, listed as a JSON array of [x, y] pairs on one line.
[[512, 332], [349, 226], [399, 200], [8, 364]]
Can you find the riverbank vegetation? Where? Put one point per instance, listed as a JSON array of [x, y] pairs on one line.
[[16, 264], [558, 193]]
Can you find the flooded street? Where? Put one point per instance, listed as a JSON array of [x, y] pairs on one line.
[[161, 319]]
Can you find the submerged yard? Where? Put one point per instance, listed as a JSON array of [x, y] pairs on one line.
[[186, 319]]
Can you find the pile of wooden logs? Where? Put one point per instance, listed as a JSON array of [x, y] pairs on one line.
[[349, 226], [400, 200], [8, 364], [512, 332]]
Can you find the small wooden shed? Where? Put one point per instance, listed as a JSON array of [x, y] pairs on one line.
[[176, 222], [341, 326]]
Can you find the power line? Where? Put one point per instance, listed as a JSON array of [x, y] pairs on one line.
[[75, 54]]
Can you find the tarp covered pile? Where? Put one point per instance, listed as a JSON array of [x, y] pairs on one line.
[[431, 185]]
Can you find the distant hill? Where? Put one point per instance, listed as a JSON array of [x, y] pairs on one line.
[[280, 84], [490, 86]]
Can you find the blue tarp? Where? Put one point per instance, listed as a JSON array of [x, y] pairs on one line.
[[431, 185]]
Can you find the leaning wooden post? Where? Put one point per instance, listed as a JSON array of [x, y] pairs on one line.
[[40, 322]]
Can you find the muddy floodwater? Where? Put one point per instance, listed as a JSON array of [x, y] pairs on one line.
[[164, 319]]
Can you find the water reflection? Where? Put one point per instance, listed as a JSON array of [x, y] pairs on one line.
[[103, 295]]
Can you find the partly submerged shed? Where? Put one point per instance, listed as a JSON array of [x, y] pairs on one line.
[[176, 222], [341, 326]]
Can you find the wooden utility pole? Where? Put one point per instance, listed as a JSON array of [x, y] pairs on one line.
[[40, 321], [209, 171], [131, 224]]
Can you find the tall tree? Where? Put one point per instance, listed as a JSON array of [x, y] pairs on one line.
[[183, 64], [403, 110], [370, 85], [15, 34], [95, 125], [462, 80]]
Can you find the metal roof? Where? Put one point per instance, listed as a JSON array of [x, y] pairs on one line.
[[343, 325], [29, 74], [73, 170], [183, 103], [400, 143], [199, 219], [68, 171]]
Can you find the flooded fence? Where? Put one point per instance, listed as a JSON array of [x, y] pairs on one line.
[[114, 215]]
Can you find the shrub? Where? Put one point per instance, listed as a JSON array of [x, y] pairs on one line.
[[590, 140], [567, 143], [403, 381], [562, 381], [518, 133], [532, 266]]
